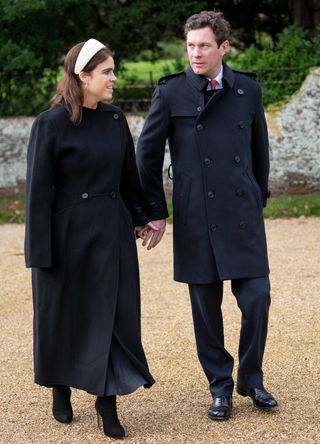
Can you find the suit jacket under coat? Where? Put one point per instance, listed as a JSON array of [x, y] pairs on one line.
[[220, 161]]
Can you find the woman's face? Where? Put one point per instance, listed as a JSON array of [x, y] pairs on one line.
[[99, 83]]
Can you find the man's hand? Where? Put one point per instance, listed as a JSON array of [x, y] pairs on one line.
[[149, 232], [142, 230]]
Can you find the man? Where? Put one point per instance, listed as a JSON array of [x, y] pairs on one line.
[[214, 121]]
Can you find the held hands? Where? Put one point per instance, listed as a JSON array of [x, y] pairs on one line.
[[153, 231]]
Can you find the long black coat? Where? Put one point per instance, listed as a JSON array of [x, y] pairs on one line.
[[80, 242], [220, 161]]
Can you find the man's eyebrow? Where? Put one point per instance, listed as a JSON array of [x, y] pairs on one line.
[[201, 43]]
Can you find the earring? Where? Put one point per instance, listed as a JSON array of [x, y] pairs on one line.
[[86, 85]]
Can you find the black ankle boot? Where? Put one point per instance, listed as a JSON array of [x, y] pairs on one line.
[[106, 408], [61, 409]]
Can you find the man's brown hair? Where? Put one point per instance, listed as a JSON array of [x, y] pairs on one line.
[[214, 20]]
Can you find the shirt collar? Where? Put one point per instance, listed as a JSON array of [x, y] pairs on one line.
[[200, 81], [218, 78]]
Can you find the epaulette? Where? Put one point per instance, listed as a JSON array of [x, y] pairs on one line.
[[253, 75], [164, 79]]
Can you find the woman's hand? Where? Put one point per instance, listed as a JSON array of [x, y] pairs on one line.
[[153, 231], [145, 232]]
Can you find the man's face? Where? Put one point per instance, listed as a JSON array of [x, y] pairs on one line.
[[204, 55]]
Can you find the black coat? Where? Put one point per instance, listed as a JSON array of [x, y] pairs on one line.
[[220, 161], [80, 242]]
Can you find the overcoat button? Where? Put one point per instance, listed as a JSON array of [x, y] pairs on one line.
[[237, 159], [239, 192], [113, 194], [116, 116], [211, 194], [85, 195], [153, 206], [213, 227], [207, 161], [240, 91], [199, 127], [241, 124], [199, 108], [242, 225]]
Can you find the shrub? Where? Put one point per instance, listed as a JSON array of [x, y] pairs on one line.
[[292, 50]]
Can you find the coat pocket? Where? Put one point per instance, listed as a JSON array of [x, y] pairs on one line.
[[257, 190], [184, 191]]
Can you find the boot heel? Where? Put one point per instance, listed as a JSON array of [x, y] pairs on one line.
[[107, 411], [99, 420]]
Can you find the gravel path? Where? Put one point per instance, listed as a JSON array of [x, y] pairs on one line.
[[175, 409]]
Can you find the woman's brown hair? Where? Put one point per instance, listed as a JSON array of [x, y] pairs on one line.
[[70, 86]]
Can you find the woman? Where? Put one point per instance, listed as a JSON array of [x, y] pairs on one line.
[[83, 198]]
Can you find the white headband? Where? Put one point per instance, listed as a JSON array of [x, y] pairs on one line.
[[89, 49]]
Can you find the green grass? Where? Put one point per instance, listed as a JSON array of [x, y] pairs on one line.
[[293, 206], [139, 72], [170, 209], [284, 206], [13, 210]]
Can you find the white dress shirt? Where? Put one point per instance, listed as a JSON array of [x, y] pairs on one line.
[[218, 78]]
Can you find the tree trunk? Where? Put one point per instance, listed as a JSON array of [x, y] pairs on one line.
[[306, 14]]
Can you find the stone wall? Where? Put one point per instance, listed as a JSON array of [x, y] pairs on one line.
[[14, 135], [136, 124], [294, 134]]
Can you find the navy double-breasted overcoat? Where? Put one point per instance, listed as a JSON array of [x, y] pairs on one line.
[[220, 159], [83, 196]]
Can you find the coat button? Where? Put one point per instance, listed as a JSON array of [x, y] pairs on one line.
[[113, 194], [199, 108], [242, 225], [213, 227], [211, 194], [199, 127], [116, 116], [237, 159], [240, 91], [241, 124], [207, 161], [85, 195], [239, 192]]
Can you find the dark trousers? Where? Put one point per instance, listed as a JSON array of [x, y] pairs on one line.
[[253, 298]]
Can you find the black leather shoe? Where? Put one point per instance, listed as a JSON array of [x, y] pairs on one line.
[[260, 397], [220, 408], [61, 408]]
